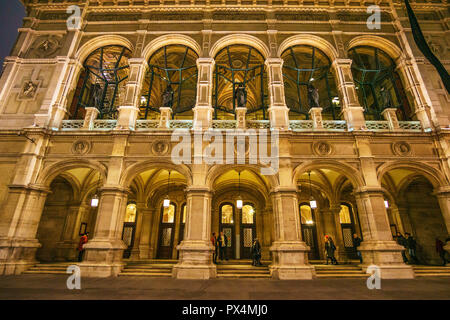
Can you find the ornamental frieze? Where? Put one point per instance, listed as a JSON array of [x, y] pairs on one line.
[[237, 15], [303, 16]]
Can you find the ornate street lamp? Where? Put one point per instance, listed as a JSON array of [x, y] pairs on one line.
[[95, 199]]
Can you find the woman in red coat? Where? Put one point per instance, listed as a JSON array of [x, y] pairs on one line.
[[83, 241]]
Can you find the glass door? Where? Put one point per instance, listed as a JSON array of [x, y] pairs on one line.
[[166, 232]]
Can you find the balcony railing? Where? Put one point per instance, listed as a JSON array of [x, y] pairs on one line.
[[301, 125], [72, 125], [377, 125], [180, 124], [410, 125], [146, 124], [258, 124], [224, 124]]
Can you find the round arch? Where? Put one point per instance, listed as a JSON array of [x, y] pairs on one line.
[[310, 40], [49, 173], [240, 39], [432, 175], [169, 39], [86, 49], [351, 173], [378, 42]]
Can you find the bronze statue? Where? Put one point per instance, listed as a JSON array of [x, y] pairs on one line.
[[167, 97], [240, 95], [385, 98], [97, 93], [313, 96]]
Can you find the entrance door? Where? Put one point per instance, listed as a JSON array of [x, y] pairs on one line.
[[227, 226], [248, 230], [348, 229], [166, 232], [309, 233], [129, 229]]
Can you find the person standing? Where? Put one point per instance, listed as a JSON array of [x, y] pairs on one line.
[[440, 250], [330, 249], [256, 253], [411, 245], [83, 241], [402, 241], [357, 241], [214, 243], [223, 243]]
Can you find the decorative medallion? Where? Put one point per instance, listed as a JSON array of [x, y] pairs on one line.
[[44, 47], [29, 90], [160, 148], [401, 148], [322, 148], [81, 147]]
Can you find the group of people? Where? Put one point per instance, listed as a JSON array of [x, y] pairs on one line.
[[409, 243], [220, 244]]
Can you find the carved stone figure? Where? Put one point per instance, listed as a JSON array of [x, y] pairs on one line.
[[240, 95], [29, 89], [385, 98], [97, 93], [313, 96], [167, 97]]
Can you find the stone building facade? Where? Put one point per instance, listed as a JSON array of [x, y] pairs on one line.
[[83, 114]]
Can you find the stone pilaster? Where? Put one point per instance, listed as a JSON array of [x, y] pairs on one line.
[[351, 109], [339, 240], [203, 111], [135, 251], [390, 116], [195, 259], [278, 111], [289, 252], [145, 250], [66, 248], [103, 256]]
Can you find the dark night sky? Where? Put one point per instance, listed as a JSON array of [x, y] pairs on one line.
[[11, 14]]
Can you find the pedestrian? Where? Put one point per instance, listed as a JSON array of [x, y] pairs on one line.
[[357, 241], [330, 249], [411, 245], [214, 243], [256, 253], [441, 251], [223, 243], [402, 241], [83, 241]]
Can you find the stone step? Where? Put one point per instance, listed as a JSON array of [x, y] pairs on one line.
[[340, 272], [342, 275], [145, 274], [243, 272], [432, 274], [45, 272], [243, 275], [47, 269], [150, 266], [147, 270], [151, 261]]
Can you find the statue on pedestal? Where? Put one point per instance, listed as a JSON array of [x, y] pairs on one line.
[[313, 96], [97, 94], [385, 98], [240, 95], [167, 97]]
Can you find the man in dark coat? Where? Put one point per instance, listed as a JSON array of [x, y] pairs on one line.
[[411, 246], [402, 241], [441, 251], [330, 249], [256, 253], [223, 243], [357, 241]]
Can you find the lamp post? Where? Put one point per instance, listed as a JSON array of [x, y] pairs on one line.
[[95, 199]]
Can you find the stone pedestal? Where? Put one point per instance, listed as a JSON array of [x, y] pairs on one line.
[[390, 116], [195, 259], [127, 117], [240, 116], [289, 252], [89, 118], [316, 117], [165, 117]]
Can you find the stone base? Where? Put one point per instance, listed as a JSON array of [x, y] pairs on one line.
[[103, 258], [290, 261], [387, 256], [195, 261], [16, 256]]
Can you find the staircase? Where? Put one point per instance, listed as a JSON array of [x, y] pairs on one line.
[[340, 271], [50, 268], [431, 271], [148, 268], [242, 269]]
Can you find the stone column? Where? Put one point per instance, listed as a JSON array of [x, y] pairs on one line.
[[103, 256], [378, 247], [203, 111], [164, 118], [351, 109], [66, 248], [390, 116], [241, 120], [289, 252], [316, 117], [130, 99], [195, 259], [338, 238], [19, 222], [135, 251], [89, 118], [443, 196], [278, 111], [145, 251]]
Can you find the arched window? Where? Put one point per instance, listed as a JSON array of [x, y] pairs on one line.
[[102, 82], [303, 66], [130, 215], [248, 214], [226, 214], [377, 83], [240, 65], [174, 66]]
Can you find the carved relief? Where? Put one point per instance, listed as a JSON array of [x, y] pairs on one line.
[[322, 148], [29, 90], [44, 47], [81, 147], [401, 148], [160, 148]]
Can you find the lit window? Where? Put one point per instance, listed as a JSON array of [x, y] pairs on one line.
[[306, 215], [169, 214], [344, 214], [227, 214], [248, 213], [130, 215]]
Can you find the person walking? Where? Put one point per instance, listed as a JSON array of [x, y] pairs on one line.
[[256, 253], [330, 249], [411, 246], [357, 241], [441, 251], [83, 241], [214, 243], [223, 243], [402, 241]]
